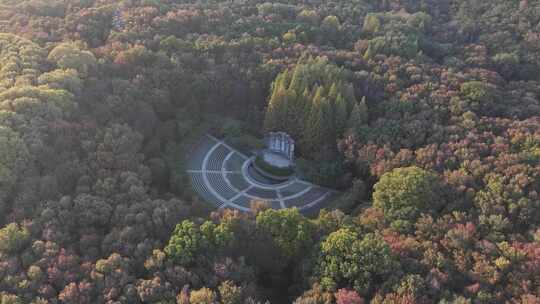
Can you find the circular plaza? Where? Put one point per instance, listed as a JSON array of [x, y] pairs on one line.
[[225, 178]]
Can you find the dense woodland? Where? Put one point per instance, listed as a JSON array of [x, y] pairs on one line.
[[425, 114]]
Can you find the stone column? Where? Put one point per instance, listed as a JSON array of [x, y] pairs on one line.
[[291, 155]]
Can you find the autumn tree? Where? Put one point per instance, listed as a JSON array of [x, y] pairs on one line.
[[202, 296], [346, 296], [230, 293], [101, 100]]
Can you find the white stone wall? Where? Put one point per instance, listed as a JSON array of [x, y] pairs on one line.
[[282, 143]]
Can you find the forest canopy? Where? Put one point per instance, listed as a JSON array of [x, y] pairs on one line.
[[422, 115]]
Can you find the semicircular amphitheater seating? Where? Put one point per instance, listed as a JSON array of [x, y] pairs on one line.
[[199, 152], [217, 177], [243, 201], [238, 181], [293, 189], [235, 162], [220, 185], [310, 196], [200, 187], [263, 193], [217, 158]]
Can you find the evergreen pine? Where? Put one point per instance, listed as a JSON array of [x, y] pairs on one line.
[[312, 103]]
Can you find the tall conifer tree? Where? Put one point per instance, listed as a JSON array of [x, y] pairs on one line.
[[312, 103]]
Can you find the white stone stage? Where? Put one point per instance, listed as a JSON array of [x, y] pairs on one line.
[[276, 159]]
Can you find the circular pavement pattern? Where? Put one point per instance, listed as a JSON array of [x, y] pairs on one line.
[[219, 174]]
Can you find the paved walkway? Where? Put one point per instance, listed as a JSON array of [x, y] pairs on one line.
[[219, 174]]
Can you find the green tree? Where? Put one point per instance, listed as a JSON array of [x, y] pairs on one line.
[[340, 115], [501, 203], [189, 241], [71, 56], [62, 79], [345, 260], [372, 24], [308, 16], [316, 124], [481, 96], [42, 101], [405, 193], [311, 102], [396, 33], [13, 238], [13, 159], [21, 60], [277, 107], [6, 298], [359, 116], [289, 37], [331, 25], [291, 231]]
